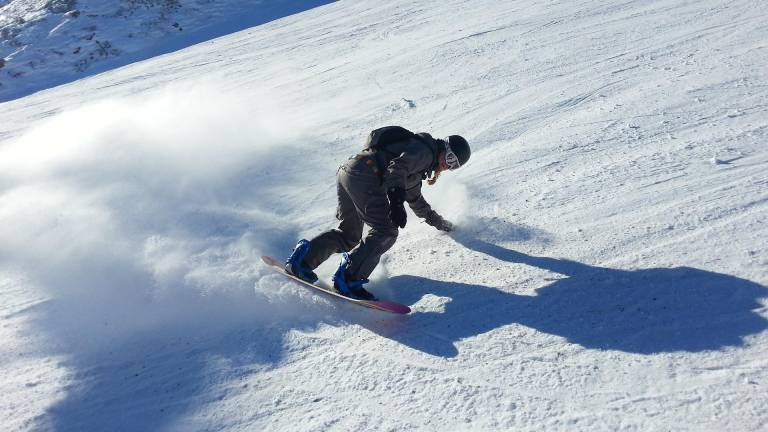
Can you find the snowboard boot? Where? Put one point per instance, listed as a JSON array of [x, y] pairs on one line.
[[350, 288], [296, 266]]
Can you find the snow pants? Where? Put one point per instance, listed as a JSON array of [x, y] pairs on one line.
[[362, 200]]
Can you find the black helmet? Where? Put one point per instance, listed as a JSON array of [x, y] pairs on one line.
[[459, 147]]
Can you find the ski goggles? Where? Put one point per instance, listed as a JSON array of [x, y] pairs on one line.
[[450, 157]]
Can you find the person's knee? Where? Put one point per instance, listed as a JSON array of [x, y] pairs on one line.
[[384, 238], [349, 239], [350, 243]]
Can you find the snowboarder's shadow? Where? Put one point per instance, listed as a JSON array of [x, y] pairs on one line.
[[638, 311]]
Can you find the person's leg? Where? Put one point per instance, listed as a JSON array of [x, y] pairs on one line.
[[341, 239], [373, 208]]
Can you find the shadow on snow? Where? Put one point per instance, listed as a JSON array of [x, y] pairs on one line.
[[637, 311], [154, 384]]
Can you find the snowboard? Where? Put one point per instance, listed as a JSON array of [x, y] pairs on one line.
[[381, 305]]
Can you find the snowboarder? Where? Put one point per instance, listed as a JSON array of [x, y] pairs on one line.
[[372, 188]]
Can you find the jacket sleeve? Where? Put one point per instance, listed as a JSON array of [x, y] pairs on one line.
[[408, 162], [420, 206]]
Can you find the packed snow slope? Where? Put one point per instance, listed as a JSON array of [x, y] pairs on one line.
[[609, 271]]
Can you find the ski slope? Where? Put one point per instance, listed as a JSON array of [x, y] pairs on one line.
[[610, 269]]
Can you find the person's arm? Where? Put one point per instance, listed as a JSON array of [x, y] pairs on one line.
[[395, 179], [415, 158]]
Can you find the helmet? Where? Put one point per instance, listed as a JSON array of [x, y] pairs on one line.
[[459, 147]]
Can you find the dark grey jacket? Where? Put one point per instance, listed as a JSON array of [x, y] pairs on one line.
[[406, 165]]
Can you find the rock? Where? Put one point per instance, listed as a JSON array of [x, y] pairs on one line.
[[60, 6]]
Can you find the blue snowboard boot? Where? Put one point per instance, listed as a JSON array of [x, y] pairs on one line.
[[349, 288], [296, 266]]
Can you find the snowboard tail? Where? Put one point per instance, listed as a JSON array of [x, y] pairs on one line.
[[381, 305]]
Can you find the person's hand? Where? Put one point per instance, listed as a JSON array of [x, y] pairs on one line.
[[440, 223], [444, 225], [396, 197]]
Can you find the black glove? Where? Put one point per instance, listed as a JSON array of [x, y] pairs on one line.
[[444, 225], [438, 222], [396, 197]]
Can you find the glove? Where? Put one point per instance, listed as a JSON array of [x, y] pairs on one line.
[[396, 197], [438, 222], [444, 225]]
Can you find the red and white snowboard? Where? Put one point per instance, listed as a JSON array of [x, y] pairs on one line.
[[382, 305]]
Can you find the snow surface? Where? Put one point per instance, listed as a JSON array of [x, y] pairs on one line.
[[609, 272]]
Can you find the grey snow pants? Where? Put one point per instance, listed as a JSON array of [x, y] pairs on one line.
[[361, 200]]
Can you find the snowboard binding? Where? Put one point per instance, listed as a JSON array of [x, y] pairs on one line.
[[350, 288], [296, 266]]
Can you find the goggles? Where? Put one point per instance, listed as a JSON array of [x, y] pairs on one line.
[[450, 157]]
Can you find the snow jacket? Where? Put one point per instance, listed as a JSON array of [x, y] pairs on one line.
[[405, 165]]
